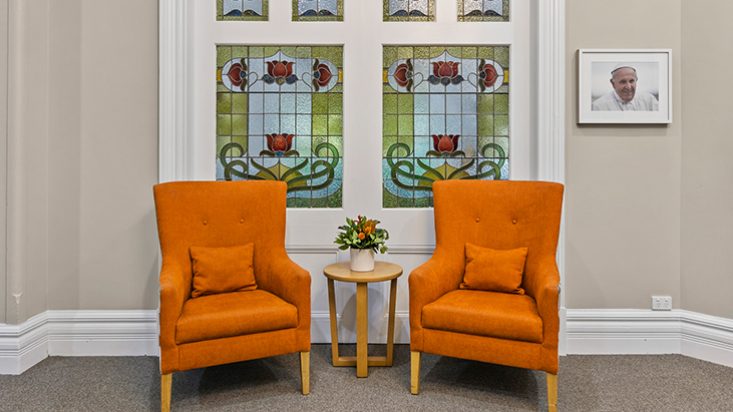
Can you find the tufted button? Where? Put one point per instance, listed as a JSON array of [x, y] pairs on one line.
[[205, 222], [241, 220], [478, 219], [514, 221]]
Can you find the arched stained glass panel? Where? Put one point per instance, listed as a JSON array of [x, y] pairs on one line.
[[318, 10], [483, 10], [409, 10], [253, 10]]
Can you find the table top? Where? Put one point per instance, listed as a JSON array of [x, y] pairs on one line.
[[382, 271]]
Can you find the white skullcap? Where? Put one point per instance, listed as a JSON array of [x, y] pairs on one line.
[[622, 66]]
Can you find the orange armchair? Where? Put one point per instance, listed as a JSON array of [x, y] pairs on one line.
[[507, 329], [212, 330]]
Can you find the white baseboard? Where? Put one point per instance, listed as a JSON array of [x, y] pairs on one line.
[[77, 333], [635, 331], [22, 346], [588, 331], [103, 333]]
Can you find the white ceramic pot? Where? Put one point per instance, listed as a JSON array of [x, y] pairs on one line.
[[362, 260]]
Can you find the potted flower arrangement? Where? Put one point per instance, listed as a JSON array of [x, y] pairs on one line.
[[364, 239]]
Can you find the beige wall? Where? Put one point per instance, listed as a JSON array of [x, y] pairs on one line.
[[648, 211], [119, 155], [84, 154], [65, 162], [3, 148], [707, 149], [649, 208], [28, 127], [623, 182]]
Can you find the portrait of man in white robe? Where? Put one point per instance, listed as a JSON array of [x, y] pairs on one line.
[[628, 87]]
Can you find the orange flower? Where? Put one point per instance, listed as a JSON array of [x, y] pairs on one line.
[[370, 227], [361, 236]]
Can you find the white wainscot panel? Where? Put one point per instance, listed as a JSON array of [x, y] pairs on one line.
[[409, 259], [315, 260]]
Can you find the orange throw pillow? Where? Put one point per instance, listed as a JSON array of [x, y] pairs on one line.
[[494, 270], [222, 269]]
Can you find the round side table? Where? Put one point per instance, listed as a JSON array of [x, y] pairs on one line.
[[383, 271]]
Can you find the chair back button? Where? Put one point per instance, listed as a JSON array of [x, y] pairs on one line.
[[514, 221], [478, 219]]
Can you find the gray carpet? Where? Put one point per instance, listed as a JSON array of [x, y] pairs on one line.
[[586, 383]]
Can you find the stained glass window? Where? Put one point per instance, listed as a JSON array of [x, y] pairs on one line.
[[483, 10], [445, 116], [280, 117], [241, 9], [409, 10], [318, 10]]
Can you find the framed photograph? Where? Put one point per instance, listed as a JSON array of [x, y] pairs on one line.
[[625, 86]]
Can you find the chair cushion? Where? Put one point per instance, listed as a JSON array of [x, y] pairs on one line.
[[494, 270], [474, 312], [233, 314], [222, 269]]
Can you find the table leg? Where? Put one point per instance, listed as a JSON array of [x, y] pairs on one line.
[[362, 333], [390, 325], [334, 326]]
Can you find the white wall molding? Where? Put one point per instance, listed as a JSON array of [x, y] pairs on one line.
[[77, 333], [172, 94], [551, 117], [635, 331]]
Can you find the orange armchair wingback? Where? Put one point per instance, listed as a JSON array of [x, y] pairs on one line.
[[216, 329], [507, 329]]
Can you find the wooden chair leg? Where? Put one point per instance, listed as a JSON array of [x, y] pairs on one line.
[[414, 373], [551, 392], [305, 360], [165, 392]]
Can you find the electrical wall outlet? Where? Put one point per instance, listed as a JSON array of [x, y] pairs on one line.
[[661, 302]]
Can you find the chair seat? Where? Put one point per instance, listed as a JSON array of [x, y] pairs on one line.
[[498, 315], [233, 314]]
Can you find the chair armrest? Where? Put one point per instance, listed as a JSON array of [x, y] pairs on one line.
[[290, 282], [546, 290], [429, 281], [172, 298]]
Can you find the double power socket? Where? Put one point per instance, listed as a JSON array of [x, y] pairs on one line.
[[661, 302]]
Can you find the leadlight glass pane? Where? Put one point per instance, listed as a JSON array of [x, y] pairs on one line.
[[318, 10], [239, 10], [445, 115], [409, 10], [280, 117], [483, 10]]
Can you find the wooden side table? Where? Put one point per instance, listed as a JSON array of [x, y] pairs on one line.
[[383, 271]]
